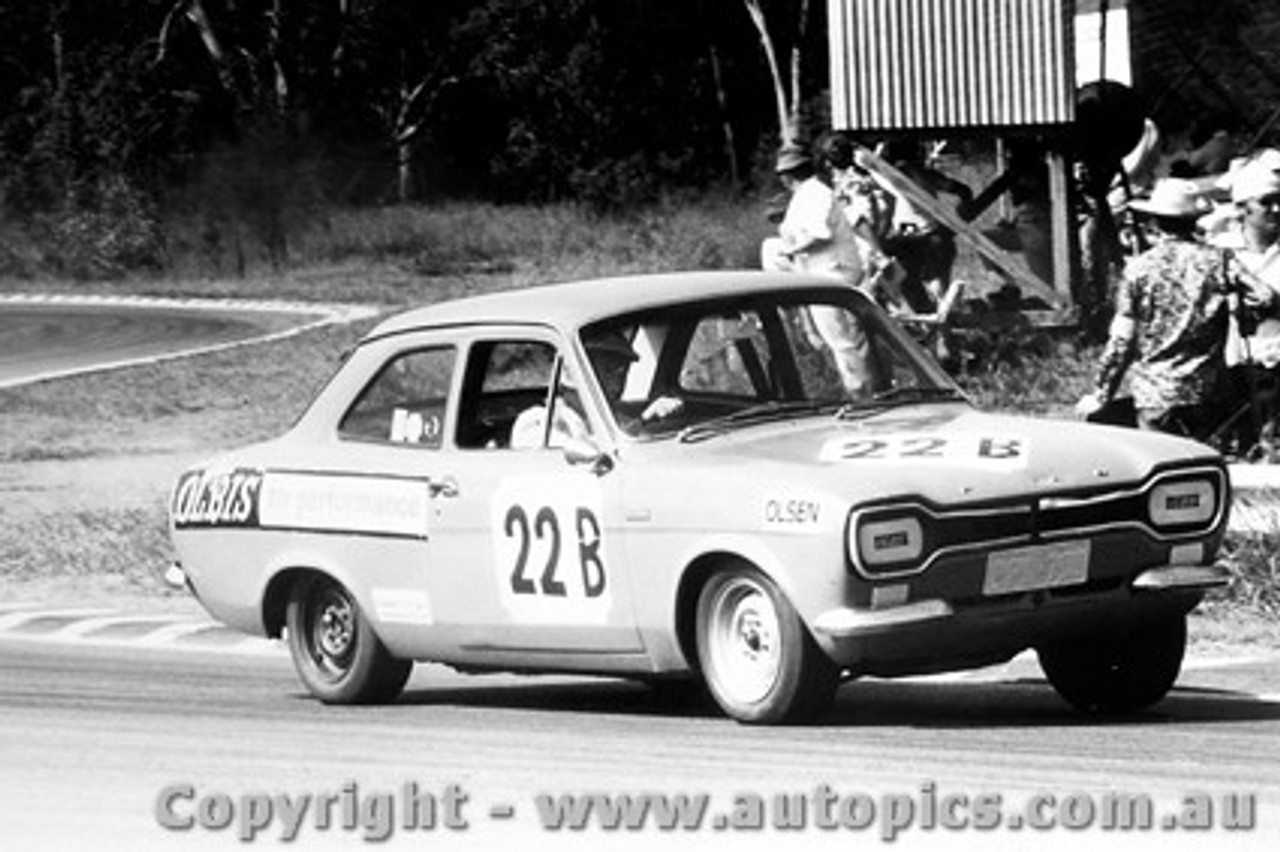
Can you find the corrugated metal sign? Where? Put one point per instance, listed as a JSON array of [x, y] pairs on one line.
[[924, 64]]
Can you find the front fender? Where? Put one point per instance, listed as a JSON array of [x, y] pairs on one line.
[[808, 570]]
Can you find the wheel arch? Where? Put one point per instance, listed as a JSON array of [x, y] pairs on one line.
[[692, 579], [712, 553], [802, 678], [275, 598], [287, 569], [335, 647]]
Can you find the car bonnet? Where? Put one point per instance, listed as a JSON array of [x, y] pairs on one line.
[[948, 453]]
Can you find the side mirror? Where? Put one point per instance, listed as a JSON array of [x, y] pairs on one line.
[[582, 451]]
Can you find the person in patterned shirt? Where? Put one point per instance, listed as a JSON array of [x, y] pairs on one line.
[[1173, 307]]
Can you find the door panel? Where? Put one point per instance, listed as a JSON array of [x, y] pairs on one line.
[[529, 540]]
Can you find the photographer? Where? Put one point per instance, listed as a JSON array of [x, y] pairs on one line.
[[1254, 238]]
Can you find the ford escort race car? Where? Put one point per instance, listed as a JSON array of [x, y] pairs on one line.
[[752, 481]]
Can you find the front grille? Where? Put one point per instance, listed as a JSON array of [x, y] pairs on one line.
[[1031, 519]]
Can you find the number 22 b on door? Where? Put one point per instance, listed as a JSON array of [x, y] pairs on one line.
[[550, 552]]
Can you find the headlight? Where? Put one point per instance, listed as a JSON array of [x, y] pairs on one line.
[[1182, 502], [886, 543]]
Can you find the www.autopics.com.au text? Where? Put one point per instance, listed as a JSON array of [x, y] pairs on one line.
[[377, 815]]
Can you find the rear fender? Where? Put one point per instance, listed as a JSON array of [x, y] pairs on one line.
[[291, 567]]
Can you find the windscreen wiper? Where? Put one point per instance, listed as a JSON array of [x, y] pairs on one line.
[[895, 396], [753, 414]]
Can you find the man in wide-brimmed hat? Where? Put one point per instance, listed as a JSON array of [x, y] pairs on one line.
[[815, 236], [1171, 317]]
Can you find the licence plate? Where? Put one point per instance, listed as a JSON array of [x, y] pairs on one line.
[[1040, 566]]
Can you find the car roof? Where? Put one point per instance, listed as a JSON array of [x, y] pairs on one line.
[[573, 304]]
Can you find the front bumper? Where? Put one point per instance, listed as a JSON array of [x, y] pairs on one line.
[[934, 635]]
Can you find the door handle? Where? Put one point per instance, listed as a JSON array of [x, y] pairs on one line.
[[446, 487]]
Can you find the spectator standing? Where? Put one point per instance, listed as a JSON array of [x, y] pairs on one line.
[[815, 236], [868, 207], [1254, 238], [925, 249], [1172, 312]]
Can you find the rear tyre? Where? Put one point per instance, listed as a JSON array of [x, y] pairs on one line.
[[759, 661], [338, 656], [1118, 672]]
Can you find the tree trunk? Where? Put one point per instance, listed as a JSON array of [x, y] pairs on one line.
[[788, 129], [404, 171], [194, 12], [730, 146], [796, 48], [274, 51]]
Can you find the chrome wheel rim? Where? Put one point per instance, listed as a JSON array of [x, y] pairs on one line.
[[333, 632], [745, 643]]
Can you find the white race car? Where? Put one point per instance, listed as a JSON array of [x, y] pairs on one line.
[[751, 481]]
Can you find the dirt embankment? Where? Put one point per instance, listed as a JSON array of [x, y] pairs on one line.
[[89, 532]]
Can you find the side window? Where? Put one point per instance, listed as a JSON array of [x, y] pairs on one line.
[[728, 356], [405, 402], [503, 379]]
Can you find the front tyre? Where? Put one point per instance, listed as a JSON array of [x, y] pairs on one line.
[[338, 656], [1118, 672], [759, 662]]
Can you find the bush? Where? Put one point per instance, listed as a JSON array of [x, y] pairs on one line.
[[105, 231], [615, 185], [12, 263], [1255, 571]]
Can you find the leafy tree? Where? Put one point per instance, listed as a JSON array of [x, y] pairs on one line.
[[249, 113]]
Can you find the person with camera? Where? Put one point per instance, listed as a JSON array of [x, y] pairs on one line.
[[1254, 238]]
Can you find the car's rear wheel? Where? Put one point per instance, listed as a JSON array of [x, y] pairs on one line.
[[338, 656], [1118, 671], [758, 659]]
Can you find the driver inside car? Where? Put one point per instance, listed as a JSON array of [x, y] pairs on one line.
[[611, 356]]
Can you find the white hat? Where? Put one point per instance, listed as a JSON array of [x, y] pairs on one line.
[[1257, 179], [1173, 198]]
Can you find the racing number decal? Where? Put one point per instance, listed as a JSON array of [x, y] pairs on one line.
[[546, 530], [1006, 450], [551, 550]]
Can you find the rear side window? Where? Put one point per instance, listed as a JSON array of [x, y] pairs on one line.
[[405, 403]]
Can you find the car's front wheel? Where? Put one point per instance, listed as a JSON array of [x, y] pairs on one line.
[[1118, 671], [758, 659], [338, 656]]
